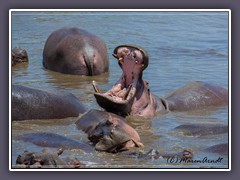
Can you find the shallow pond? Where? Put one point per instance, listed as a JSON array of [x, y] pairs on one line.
[[183, 47]]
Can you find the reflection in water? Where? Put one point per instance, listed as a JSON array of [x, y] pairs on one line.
[[68, 81], [16, 69]]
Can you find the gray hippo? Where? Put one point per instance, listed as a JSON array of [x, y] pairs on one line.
[[47, 139], [19, 55], [30, 103], [153, 154], [202, 129], [75, 51], [131, 94], [44, 159], [221, 149], [108, 132]]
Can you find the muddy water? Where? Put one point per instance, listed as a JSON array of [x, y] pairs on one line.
[[183, 47]]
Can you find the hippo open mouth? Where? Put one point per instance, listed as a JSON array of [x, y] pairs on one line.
[[132, 60]]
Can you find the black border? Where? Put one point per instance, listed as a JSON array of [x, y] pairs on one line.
[[234, 5]]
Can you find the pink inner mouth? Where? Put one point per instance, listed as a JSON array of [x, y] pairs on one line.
[[131, 62], [120, 97]]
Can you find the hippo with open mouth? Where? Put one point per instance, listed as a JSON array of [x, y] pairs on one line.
[[131, 94]]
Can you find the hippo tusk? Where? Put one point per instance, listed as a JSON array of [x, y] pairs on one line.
[[115, 55], [138, 144], [95, 87]]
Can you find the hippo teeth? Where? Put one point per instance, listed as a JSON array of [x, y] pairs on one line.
[[95, 87], [122, 95]]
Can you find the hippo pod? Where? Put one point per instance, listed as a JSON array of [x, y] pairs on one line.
[[108, 132], [44, 159], [29, 103], [75, 51], [131, 94], [19, 55]]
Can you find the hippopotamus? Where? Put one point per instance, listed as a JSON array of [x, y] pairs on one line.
[[155, 154], [221, 149], [202, 129], [30, 103], [44, 159], [108, 132], [71, 50], [47, 139], [131, 94], [19, 55]]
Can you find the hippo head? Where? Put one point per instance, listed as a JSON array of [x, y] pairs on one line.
[[108, 132], [27, 158], [132, 60], [114, 136], [19, 55]]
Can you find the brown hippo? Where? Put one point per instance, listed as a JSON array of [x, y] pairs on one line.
[[44, 159], [131, 95], [19, 55], [75, 51], [108, 132], [29, 103]]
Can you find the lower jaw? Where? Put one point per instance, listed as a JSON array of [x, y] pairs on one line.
[[113, 103], [121, 108]]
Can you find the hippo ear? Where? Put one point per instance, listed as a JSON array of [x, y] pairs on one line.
[[60, 151]]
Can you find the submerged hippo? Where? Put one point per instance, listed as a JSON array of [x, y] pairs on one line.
[[19, 55], [75, 51], [131, 94], [46, 139], [44, 159], [108, 132], [221, 149], [202, 129], [154, 154], [29, 103]]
